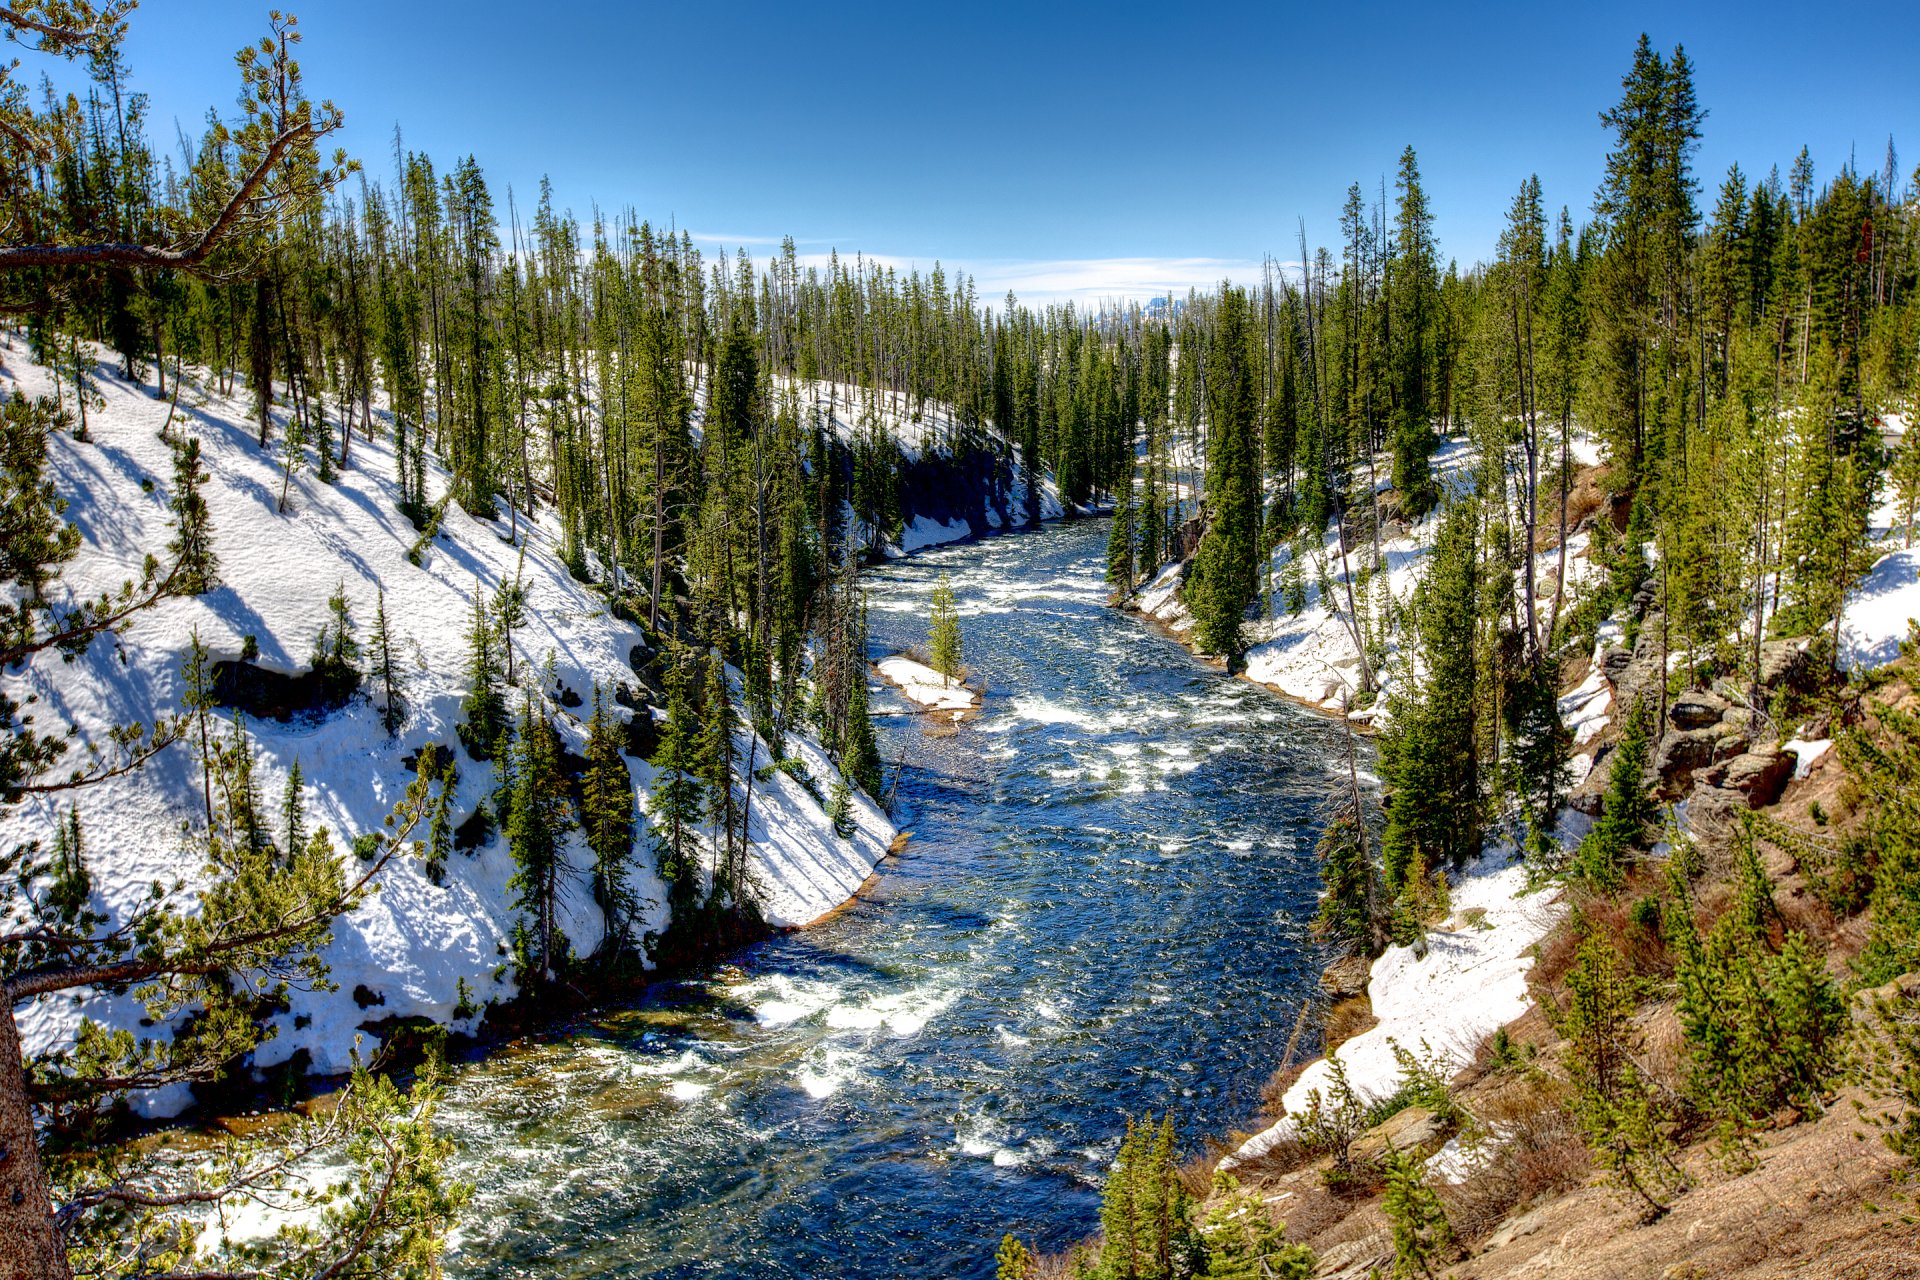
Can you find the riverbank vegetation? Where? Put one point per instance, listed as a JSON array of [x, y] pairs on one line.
[[1699, 393], [1649, 452]]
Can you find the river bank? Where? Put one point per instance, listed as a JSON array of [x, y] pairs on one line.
[[959, 1048]]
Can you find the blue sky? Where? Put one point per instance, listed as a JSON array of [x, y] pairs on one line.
[[1064, 150]]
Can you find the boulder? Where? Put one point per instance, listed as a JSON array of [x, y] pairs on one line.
[[1759, 775], [1782, 662], [1615, 663], [1413, 1129], [1684, 752], [1697, 709]]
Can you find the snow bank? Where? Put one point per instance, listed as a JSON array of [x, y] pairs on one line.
[[927, 687], [1875, 621], [407, 950], [1310, 655], [1456, 989]]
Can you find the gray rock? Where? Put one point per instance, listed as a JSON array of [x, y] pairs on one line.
[[1697, 710], [1615, 663], [1516, 1228], [1408, 1129]]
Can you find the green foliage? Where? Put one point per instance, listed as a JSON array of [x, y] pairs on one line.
[[1885, 1061], [389, 673], [536, 814], [1331, 1121], [1244, 1241], [336, 654], [484, 708], [1120, 541], [1423, 901], [943, 630], [840, 811], [1426, 1081], [674, 806], [1349, 885], [1626, 810], [1429, 756], [192, 545], [1884, 761], [606, 819], [1421, 1234], [1012, 1260], [1223, 580], [1763, 1022], [1627, 1124], [1146, 1213]]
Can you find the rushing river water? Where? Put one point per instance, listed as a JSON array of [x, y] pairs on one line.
[[1102, 912]]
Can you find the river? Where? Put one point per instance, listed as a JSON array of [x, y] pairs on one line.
[[1103, 912]]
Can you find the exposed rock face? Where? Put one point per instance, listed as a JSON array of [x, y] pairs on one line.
[[1409, 1129], [1346, 977], [1615, 663], [1697, 709], [1760, 775], [1684, 752]]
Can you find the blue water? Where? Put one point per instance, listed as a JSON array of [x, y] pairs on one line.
[[1102, 912]]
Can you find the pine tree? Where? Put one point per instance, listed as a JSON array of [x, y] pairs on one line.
[[35, 539], [1012, 1260], [293, 813], [1421, 1233], [484, 708], [69, 886], [1626, 809], [336, 654], [192, 545], [1244, 1241], [943, 631], [386, 669], [606, 818], [1224, 579], [1348, 889], [674, 805], [859, 751], [1625, 1124], [1120, 543], [1145, 1211], [1430, 754], [840, 810], [196, 677], [537, 815], [718, 724], [1763, 1023], [244, 828]]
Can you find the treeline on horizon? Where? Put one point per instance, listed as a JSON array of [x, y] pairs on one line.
[[673, 410]]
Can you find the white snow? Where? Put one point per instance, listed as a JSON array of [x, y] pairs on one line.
[[1448, 993], [1806, 754], [1877, 614], [926, 686], [414, 941]]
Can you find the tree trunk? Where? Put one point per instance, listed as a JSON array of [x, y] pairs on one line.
[[30, 1248]]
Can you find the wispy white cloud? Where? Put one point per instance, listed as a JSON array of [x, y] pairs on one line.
[[731, 242], [1095, 280], [1082, 281]]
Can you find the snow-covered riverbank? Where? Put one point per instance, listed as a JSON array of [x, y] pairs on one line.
[[927, 688], [417, 948]]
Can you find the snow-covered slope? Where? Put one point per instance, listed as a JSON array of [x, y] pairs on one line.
[[1310, 655], [414, 942]]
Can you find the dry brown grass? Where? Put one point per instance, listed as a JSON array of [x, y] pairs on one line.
[[1274, 1091], [1345, 1020], [1535, 1151]]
